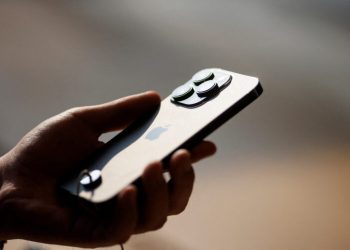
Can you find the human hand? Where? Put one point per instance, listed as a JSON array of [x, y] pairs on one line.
[[33, 207]]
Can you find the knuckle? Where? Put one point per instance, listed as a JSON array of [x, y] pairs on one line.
[[191, 174], [178, 206], [124, 239], [178, 209], [160, 224], [73, 110], [153, 225]]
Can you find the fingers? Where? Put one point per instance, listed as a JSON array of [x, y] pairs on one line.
[[117, 114], [181, 183], [202, 150], [154, 199], [126, 216], [158, 198], [113, 223]]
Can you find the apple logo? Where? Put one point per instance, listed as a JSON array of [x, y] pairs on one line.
[[156, 132]]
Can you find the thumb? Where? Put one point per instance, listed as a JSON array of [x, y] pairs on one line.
[[118, 114]]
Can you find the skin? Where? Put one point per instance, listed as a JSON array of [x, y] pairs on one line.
[[33, 207]]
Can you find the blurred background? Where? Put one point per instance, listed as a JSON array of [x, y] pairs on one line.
[[281, 177]]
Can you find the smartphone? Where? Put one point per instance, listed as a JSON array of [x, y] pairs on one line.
[[190, 113]]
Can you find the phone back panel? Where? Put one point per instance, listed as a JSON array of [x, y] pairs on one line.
[[160, 134]]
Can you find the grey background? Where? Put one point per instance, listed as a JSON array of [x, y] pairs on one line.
[[58, 54], [55, 55]]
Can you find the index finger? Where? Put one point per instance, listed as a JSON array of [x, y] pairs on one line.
[[116, 115]]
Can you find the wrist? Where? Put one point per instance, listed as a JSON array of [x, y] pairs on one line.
[[2, 166], [1, 199], [3, 169], [5, 194], [6, 185]]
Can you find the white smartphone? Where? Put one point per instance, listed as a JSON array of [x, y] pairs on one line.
[[189, 114]]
